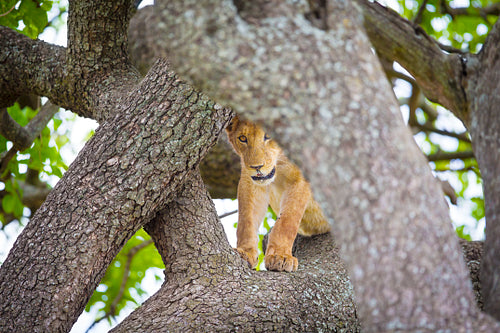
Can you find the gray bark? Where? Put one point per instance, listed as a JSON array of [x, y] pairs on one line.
[[129, 170], [468, 85], [305, 87], [209, 288]]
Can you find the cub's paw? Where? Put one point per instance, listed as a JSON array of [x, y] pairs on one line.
[[250, 255], [281, 262]]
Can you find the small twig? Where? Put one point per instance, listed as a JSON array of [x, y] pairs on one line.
[[112, 308], [130, 255], [450, 49], [429, 128], [7, 12], [5, 158], [418, 18], [449, 191], [23, 137], [446, 156], [467, 168], [227, 214]]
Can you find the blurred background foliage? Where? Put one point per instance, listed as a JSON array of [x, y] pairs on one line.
[[28, 173]]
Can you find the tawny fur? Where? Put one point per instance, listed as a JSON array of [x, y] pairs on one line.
[[287, 192]]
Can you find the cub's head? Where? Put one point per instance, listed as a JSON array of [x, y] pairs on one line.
[[258, 152]]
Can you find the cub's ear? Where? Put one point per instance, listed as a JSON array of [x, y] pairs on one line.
[[233, 124]]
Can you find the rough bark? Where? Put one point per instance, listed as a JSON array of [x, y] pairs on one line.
[[209, 288], [482, 89], [220, 169], [130, 168], [468, 85], [304, 86], [440, 75], [100, 69], [88, 77], [473, 252], [35, 66]]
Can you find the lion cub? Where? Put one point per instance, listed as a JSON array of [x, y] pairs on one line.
[[269, 178]]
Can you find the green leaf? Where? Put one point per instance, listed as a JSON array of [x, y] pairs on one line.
[[461, 233], [57, 122], [145, 258], [34, 16], [61, 140], [9, 203], [478, 211]]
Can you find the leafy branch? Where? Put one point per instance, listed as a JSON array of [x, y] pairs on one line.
[[23, 137], [125, 277]]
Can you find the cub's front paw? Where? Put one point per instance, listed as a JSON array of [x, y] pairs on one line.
[[281, 262], [250, 255]]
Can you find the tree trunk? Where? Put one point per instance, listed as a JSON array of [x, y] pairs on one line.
[[468, 85], [129, 170], [403, 258], [483, 87]]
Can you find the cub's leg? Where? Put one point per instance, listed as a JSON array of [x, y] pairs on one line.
[[279, 249], [253, 201]]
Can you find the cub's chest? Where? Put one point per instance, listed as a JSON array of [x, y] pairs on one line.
[[276, 191]]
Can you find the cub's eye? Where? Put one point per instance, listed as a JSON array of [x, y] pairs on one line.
[[243, 138], [266, 137]]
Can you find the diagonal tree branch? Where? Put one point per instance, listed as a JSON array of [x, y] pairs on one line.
[[439, 75], [30, 67], [117, 183], [23, 137]]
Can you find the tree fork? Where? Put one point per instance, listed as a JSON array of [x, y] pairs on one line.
[[116, 184], [208, 287]]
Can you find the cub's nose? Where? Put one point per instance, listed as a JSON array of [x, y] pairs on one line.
[[257, 167]]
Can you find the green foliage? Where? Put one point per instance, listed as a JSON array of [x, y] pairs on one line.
[[11, 202], [440, 19], [464, 29], [26, 16], [269, 220], [42, 158], [123, 277]]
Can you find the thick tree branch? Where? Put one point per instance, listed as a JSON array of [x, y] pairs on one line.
[[30, 67], [88, 77], [97, 60], [484, 85], [438, 74], [305, 88], [118, 182]]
